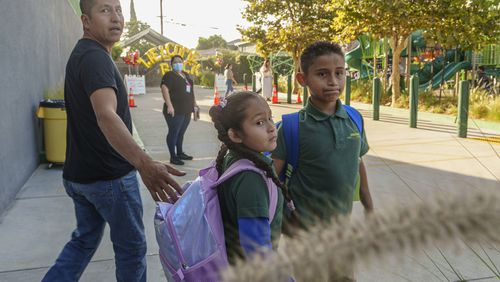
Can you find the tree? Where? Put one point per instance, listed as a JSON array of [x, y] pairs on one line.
[[394, 20], [468, 24], [133, 16], [116, 51], [214, 41], [286, 25], [449, 22], [134, 27]]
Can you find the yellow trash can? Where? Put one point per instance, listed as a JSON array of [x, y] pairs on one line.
[[53, 113]]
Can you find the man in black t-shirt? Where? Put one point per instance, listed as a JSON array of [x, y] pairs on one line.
[[102, 158]]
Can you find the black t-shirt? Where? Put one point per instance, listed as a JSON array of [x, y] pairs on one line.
[[89, 156], [181, 99]]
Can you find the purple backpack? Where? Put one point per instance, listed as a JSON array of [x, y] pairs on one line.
[[190, 233]]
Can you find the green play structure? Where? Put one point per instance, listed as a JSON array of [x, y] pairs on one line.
[[431, 73]]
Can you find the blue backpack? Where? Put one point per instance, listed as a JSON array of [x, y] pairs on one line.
[[290, 123]]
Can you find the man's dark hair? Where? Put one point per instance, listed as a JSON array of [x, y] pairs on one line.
[[86, 6], [317, 49]]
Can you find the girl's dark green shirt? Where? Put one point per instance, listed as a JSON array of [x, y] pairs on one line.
[[245, 195]]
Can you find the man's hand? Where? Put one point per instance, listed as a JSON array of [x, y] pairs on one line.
[[157, 178]]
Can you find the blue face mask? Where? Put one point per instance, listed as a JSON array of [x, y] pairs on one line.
[[177, 66]]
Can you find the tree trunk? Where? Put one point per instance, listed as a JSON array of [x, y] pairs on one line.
[[296, 65], [408, 64], [386, 62], [397, 46]]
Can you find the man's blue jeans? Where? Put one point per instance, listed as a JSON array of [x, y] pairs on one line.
[[118, 203]]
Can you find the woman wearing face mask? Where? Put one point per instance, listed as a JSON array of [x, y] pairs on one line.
[[178, 94]]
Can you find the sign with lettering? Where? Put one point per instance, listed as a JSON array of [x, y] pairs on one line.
[[137, 83]]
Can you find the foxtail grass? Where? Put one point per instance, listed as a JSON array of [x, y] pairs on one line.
[[327, 249]]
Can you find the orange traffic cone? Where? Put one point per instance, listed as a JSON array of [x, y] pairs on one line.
[[216, 96], [131, 101], [299, 101], [275, 95]]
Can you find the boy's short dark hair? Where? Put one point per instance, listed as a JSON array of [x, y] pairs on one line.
[[86, 6], [317, 49]]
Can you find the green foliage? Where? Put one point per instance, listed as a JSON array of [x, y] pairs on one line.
[[240, 67], [361, 90], [484, 106], [468, 24], [214, 41], [449, 22], [54, 93], [394, 20], [134, 27], [133, 16], [289, 25], [116, 51], [206, 78]]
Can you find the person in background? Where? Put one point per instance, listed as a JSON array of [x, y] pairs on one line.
[[266, 74], [179, 102], [229, 76]]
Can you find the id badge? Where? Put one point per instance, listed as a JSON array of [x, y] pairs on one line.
[[188, 88]]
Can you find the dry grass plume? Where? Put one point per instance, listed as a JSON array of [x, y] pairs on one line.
[[326, 249]]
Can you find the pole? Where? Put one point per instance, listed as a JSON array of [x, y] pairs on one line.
[[289, 90], [304, 98], [161, 17], [347, 90], [254, 87], [376, 98], [463, 108], [413, 101]]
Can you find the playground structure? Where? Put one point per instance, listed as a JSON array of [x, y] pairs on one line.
[[430, 63], [282, 65]]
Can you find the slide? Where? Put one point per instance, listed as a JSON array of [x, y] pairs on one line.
[[354, 60], [449, 71]]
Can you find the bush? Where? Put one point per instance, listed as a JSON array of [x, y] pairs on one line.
[[206, 78], [484, 106], [361, 90], [494, 113]]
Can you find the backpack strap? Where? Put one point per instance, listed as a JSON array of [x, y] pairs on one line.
[[291, 135], [244, 165], [355, 116]]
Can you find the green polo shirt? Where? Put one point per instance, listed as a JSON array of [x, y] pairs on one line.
[[245, 195], [330, 148]]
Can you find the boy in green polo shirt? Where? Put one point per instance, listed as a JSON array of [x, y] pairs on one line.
[[330, 146]]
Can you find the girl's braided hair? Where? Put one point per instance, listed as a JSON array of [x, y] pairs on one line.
[[232, 115]]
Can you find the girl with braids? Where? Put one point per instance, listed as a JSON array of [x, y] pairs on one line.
[[245, 127]]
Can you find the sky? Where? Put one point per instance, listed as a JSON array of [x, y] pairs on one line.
[[199, 18]]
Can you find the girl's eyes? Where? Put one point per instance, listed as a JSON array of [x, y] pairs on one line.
[[260, 122]]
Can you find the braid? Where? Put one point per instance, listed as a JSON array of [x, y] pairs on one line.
[[220, 158], [259, 163]]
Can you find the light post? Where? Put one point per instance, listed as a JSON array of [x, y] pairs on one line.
[[161, 17]]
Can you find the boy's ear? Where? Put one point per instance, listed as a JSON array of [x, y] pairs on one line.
[[301, 78], [234, 136]]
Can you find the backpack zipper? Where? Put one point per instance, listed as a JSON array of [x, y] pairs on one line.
[[171, 229]]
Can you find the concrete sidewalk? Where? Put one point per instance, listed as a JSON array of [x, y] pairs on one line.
[[404, 165]]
